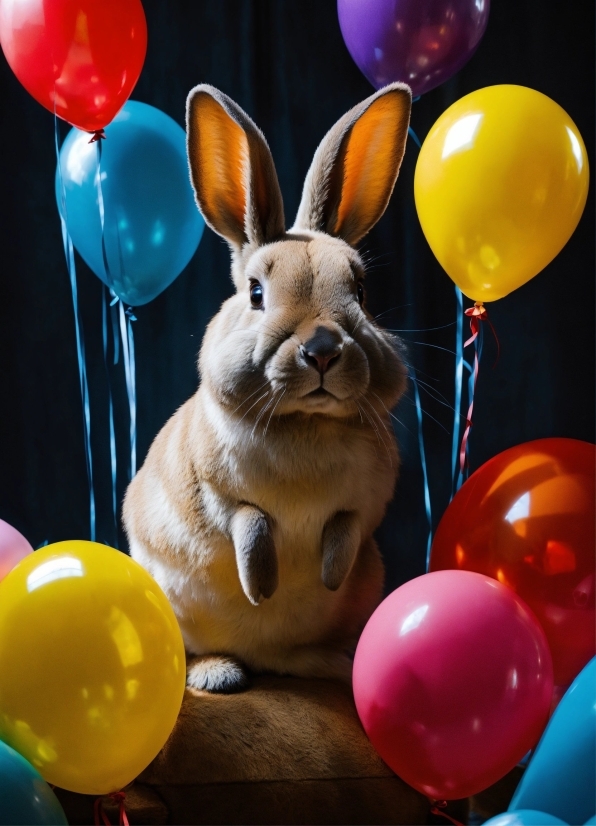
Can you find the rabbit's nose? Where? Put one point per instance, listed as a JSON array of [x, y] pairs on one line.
[[323, 349]]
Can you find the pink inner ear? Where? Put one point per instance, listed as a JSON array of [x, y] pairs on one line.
[[374, 152], [218, 157]]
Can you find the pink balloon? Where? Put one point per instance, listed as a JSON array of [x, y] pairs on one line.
[[453, 680], [13, 548]]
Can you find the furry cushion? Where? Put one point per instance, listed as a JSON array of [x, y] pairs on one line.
[[285, 751]]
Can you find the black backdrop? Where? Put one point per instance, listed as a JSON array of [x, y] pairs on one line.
[[284, 61]]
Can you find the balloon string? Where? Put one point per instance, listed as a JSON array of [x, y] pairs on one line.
[[476, 314], [98, 810], [113, 460], [128, 356], [422, 451], [437, 808], [115, 328], [84, 386], [414, 137], [424, 469], [100, 204], [459, 375], [126, 317]]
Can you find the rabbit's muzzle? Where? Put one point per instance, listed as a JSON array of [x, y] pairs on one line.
[[323, 349]]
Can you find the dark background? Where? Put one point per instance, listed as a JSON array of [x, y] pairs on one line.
[[285, 62]]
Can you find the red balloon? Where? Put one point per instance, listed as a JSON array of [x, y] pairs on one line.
[[81, 58], [452, 682], [527, 518]]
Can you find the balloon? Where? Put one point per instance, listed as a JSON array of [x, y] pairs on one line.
[[421, 44], [25, 797], [452, 681], [500, 185], [79, 58], [591, 821], [13, 548], [92, 666], [561, 776], [152, 224], [526, 518], [525, 817]]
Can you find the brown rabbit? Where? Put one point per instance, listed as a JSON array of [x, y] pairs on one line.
[[256, 505]]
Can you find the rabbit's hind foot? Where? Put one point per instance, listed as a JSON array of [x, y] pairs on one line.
[[216, 673]]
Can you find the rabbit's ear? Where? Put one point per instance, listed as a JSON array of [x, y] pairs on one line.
[[355, 167], [232, 170]]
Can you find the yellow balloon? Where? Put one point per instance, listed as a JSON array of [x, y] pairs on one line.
[[500, 185], [92, 666]]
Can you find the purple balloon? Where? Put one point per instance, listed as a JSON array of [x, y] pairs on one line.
[[420, 42]]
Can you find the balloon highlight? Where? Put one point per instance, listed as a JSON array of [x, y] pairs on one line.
[[500, 185], [92, 666], [527, 518], [452, 681], [152, 226]]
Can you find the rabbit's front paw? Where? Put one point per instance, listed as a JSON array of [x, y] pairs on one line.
[[341, 540], [221, 675], [255, 553]]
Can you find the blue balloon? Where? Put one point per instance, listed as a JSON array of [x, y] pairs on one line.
[[525, 817], [561, 776], [152, 226], [591, 821], [25, 797]]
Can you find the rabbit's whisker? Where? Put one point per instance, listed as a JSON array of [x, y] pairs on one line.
[[391, 309], [425, 412], [248, 398], [429, 388], [389, 412], [423, 329], [435, 346], [262, 412], [372, 424], [438, 398], [272, 412], [266, 393], [383, 427]]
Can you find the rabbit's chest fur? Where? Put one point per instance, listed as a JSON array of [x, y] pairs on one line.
[[180, 504]]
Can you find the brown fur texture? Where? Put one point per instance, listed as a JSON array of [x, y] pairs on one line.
[[256, 505], [287, 751]]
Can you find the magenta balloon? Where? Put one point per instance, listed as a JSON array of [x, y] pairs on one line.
[[13, 548], [453, 680], [420, 42]]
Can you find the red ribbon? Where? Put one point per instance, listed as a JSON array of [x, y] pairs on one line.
[[98, 135], [117, 797], [436, 810], [476, 314]]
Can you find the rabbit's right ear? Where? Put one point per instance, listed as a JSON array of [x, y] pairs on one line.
[[232, 170], [354, 169]]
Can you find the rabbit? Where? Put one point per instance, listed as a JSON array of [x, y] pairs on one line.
[[256, 505]]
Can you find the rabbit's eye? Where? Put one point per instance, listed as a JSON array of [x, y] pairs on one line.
[[256, 295], [360, 292]]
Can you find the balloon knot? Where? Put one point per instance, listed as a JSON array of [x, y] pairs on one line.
[[116, 797], [98, 135], [476, 314], [477, 311], [435, 809]]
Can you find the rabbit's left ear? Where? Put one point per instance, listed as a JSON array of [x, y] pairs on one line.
[[232, 170], [355, 167]]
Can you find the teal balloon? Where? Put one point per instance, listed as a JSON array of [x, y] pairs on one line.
[[591, 821], [152, 226], [525, 817], [25, 797], [561, 776]]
